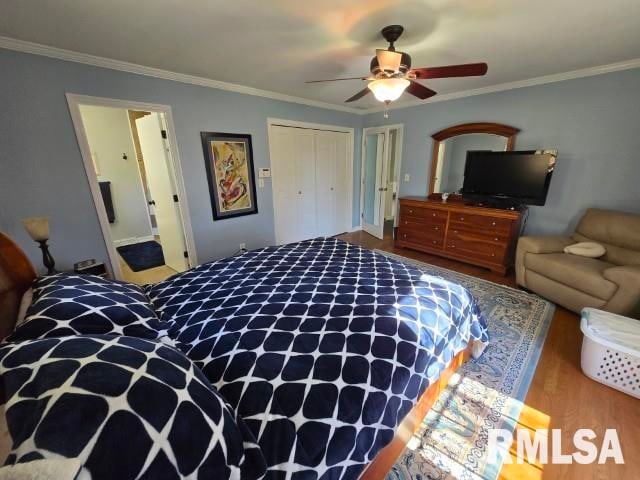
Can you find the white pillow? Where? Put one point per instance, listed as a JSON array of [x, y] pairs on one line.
[[586, 249], [27, 298]]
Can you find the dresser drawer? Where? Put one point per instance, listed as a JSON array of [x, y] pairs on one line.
[[480, 223], [423, 213], [468, 232], [476, 249], [435, 225], [431, 239]]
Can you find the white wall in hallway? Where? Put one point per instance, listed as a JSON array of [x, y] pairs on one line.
[[109, 136]]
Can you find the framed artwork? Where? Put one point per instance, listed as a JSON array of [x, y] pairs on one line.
[[229, 161]]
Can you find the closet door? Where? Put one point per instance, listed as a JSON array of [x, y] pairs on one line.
[[326, 172], [293, 179], [331, 182]]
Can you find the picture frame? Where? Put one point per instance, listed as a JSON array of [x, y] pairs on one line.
[[228, 159]]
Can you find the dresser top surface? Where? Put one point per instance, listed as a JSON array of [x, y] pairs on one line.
[[458, 206]]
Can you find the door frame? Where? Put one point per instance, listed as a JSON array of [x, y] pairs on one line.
[[75, 101], [280, 122], [382, 129]]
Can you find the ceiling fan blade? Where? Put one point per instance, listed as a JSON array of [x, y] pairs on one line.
[[389, 61], [336, 79], [420, 91], [358, 95], [465, 70]]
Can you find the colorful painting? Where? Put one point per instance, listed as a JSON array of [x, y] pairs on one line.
[[229, 162]]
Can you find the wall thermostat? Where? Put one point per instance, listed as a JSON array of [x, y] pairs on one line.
[[264, 172]]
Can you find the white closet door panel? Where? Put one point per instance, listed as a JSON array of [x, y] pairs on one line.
[[342, 218], [325, 172], [285, 187], [304, 167]]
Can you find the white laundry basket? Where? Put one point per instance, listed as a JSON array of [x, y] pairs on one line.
[[611, 350]]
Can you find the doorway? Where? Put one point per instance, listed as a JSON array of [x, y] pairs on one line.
[[380, 179], [131, 161]]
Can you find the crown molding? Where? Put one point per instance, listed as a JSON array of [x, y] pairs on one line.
[[96, 61], [501, 87]]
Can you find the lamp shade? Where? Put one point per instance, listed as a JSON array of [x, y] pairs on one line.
[[388, 89], [37, 228]]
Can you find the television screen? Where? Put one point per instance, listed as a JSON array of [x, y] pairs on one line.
[[519, 178]]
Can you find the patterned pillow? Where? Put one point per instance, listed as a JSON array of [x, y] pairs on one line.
[[125, 407], [70, 304]]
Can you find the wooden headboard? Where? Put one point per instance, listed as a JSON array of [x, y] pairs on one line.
[[16, 276]]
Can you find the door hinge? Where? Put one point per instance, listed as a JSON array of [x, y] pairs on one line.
[[175, 198], [186, 254], [163, 133]]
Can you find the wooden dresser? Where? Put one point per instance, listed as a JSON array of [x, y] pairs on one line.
[[479, 235]]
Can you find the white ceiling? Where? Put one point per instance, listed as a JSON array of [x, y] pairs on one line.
[[276, 45]]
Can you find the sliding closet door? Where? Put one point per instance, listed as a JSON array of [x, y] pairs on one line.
[[293, 174], [331, 182]]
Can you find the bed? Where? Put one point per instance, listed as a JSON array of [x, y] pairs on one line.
[[326, 356]]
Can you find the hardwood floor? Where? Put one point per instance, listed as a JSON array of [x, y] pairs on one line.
[[560, 396]]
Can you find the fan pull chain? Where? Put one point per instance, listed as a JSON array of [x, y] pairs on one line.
[[386, 109]]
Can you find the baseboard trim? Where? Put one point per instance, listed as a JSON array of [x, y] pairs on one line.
[[131, 240]]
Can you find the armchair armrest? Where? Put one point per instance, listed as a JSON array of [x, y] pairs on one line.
[[541, 244], [546, 244], [626, 300]]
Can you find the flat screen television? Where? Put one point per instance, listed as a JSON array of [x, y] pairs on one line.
[[508, 178]]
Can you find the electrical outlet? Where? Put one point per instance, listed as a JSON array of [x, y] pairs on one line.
[[243, 246], [407, 177], [261, 182]]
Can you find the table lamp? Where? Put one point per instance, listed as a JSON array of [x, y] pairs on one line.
[[38, 229]]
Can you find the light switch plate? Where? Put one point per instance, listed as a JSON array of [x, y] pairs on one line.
[[264, 173], [407, 177]]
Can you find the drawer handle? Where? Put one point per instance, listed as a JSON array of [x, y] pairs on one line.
[[455, 231], [406, 223], [436, 228], [496, 239], [410, 211], [493, 254], [493, 224], [452, 246], [404, 236], [462, 219], [435, 241], [433, 214]]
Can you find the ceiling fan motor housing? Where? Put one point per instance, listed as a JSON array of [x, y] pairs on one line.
[[405, 65]]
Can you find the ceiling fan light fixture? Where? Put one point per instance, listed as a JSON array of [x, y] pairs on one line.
[[388, 89]]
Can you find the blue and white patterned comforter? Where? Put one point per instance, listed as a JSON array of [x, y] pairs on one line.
[[322, 347]]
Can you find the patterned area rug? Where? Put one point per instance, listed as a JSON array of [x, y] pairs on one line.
[[485, 393]]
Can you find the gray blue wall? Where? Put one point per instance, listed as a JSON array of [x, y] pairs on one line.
[[41, 169], [594, 123]]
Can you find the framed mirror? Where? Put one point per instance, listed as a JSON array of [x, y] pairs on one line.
[[450, 147]]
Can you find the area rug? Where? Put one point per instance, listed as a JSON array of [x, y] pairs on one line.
[[485, 393], [142, 256]]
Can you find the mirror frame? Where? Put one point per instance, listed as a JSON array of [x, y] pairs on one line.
[[464, 129]]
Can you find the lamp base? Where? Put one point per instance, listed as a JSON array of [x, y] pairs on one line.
[[47, 259]]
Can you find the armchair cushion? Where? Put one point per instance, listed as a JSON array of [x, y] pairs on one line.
[[582, 273]]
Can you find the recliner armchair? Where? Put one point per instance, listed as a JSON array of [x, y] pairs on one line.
[[611, 282]]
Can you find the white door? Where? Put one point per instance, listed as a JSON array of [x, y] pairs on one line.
[[162, 187], [294, 184], [331, 182], [374, 181]]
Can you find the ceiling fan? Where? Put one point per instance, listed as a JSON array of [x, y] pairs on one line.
[[391, 72]]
